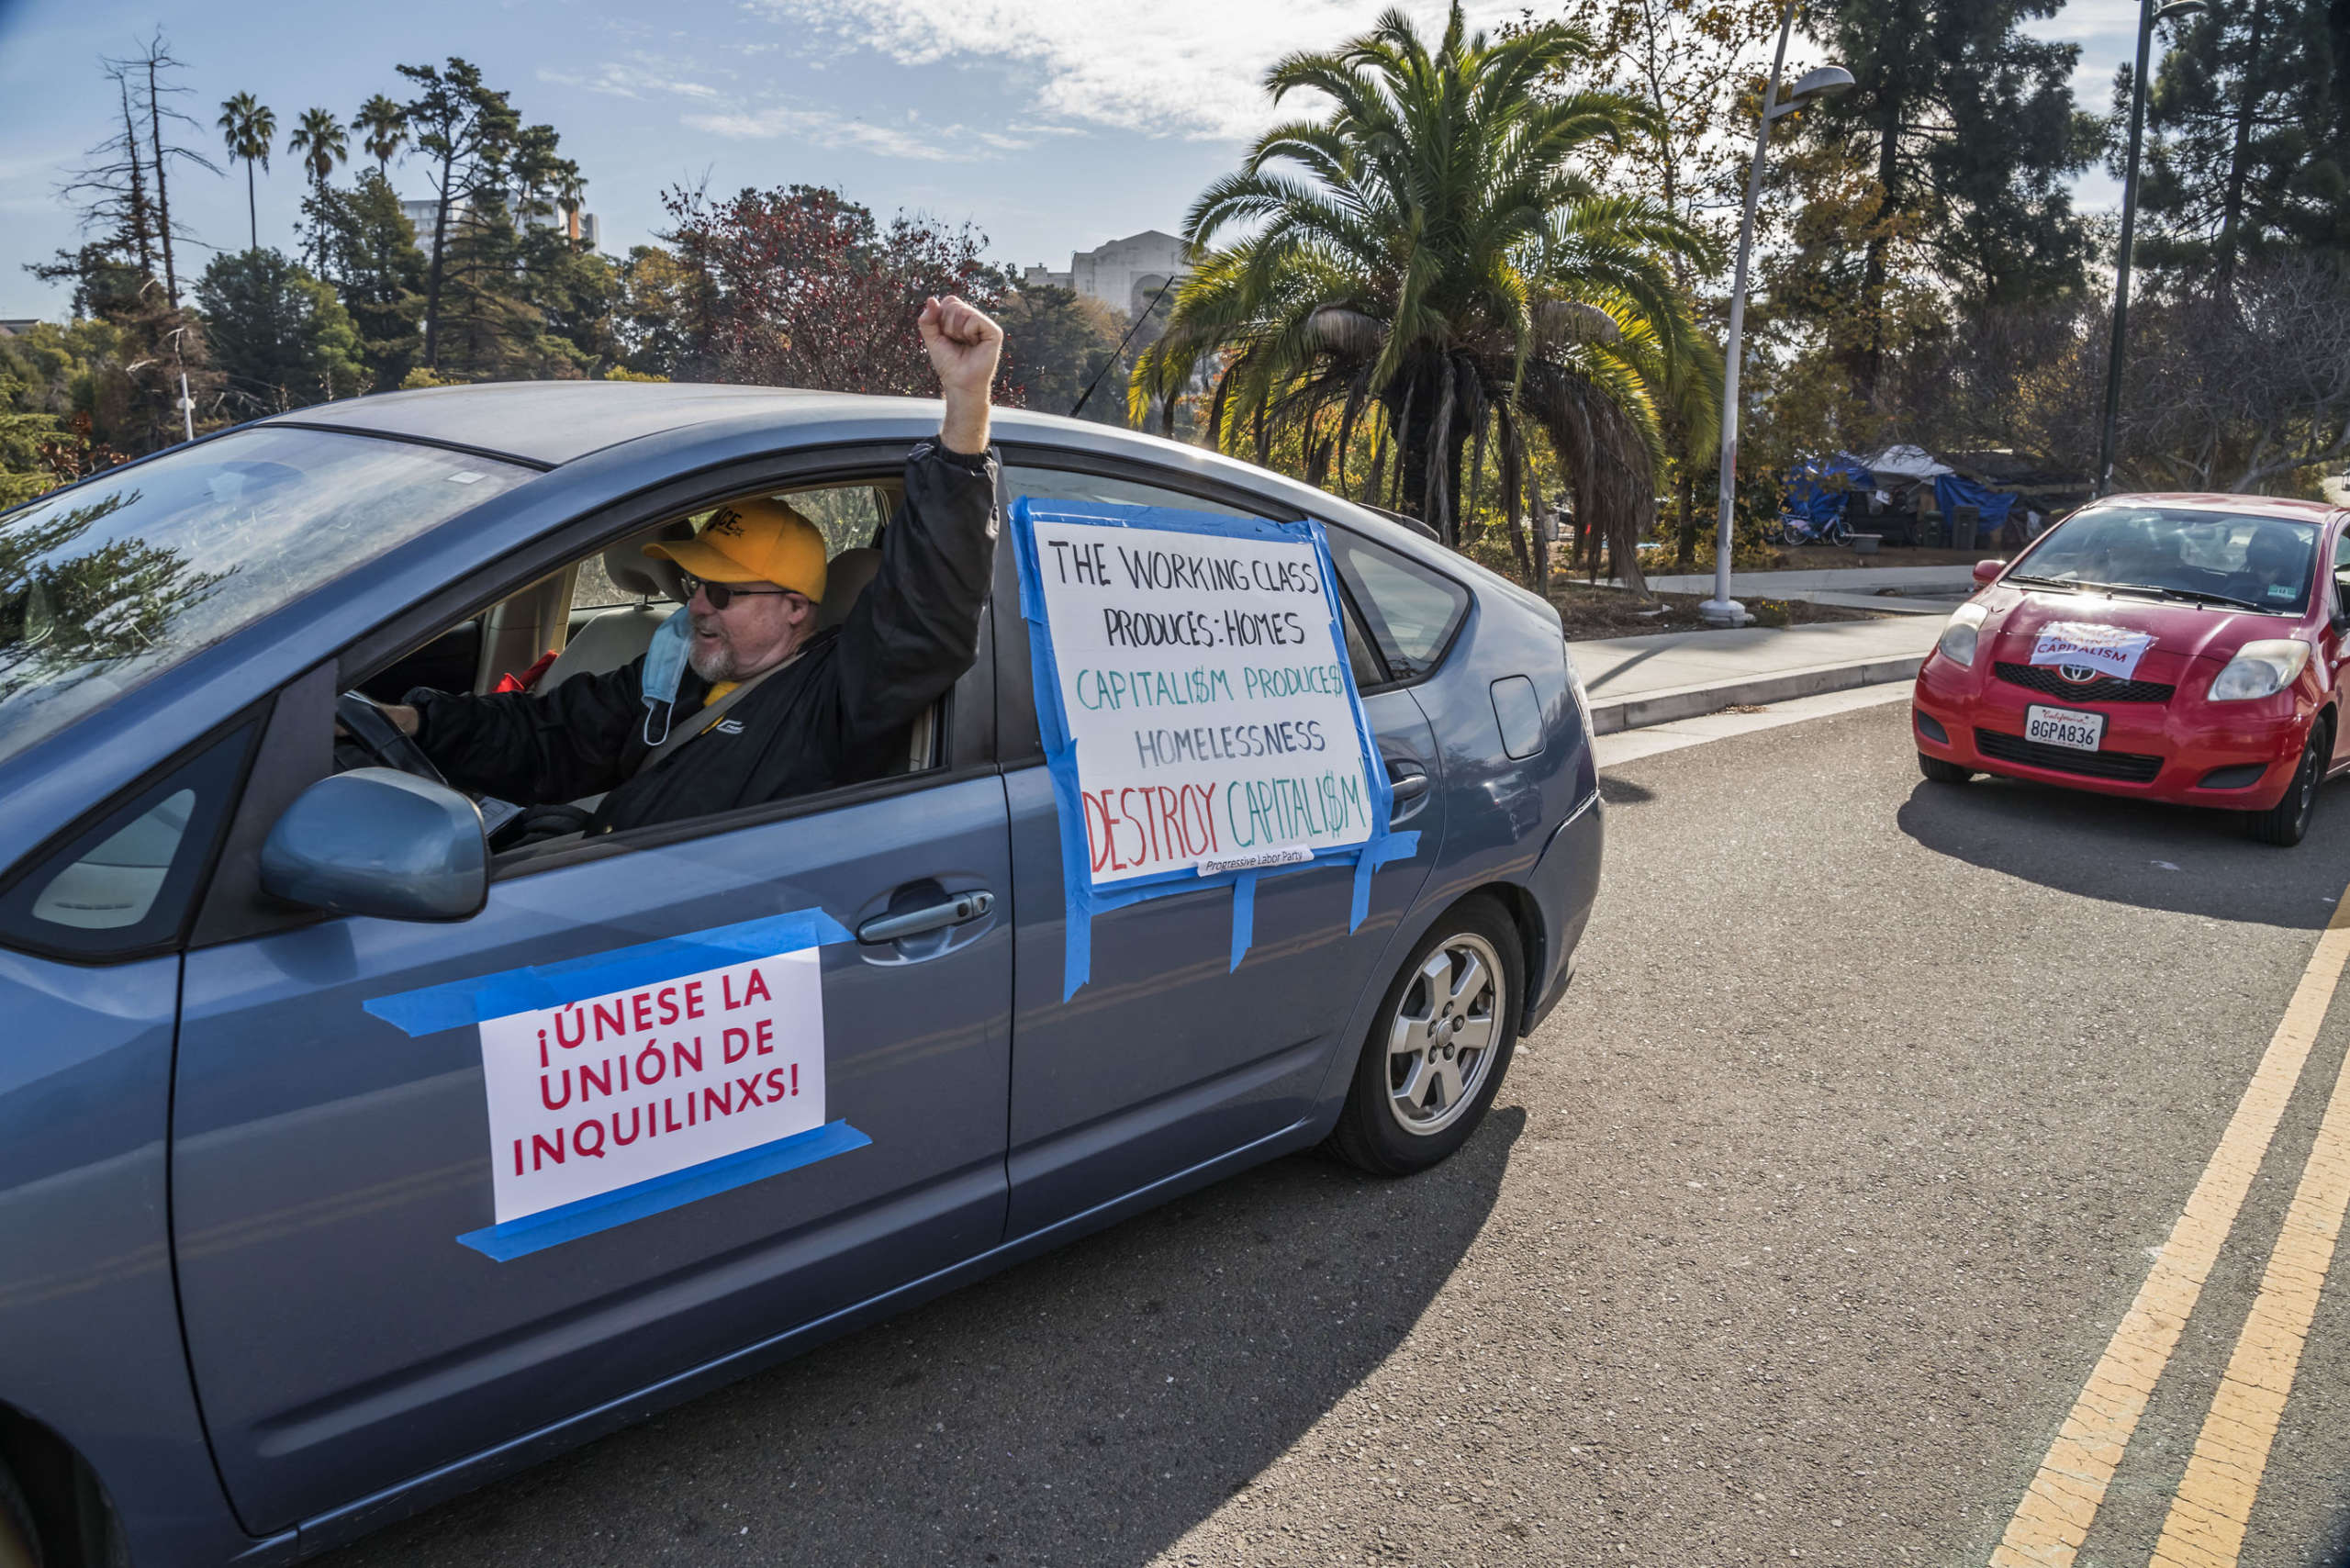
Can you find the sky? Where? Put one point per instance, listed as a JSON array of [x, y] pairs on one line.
[[1050, 125]]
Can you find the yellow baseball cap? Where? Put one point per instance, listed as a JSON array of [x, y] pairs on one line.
[[756, 540]]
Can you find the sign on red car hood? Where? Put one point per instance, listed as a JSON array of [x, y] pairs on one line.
[[2181, 631]]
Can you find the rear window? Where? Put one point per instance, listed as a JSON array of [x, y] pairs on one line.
[[1410, 611], [107, 585]]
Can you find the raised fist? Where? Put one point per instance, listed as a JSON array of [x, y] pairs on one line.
[[964, 345]]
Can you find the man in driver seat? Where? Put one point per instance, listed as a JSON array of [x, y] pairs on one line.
[[802, 710]]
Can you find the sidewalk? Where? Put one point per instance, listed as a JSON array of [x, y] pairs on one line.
[[1637, 681]]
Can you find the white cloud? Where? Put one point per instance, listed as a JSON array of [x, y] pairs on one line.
[[639, 79], [950, 145], [1193, 68]]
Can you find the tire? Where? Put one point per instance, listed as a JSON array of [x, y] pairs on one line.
[[1937, 771], [2288, 821], [1421, 1087]]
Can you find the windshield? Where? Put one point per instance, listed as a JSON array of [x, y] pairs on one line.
[[2260, 563], [107, 586]]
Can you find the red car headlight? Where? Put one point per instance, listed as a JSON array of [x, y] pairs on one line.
[[1958, 640], [2261, 669]]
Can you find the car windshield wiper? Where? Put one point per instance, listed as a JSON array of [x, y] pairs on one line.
[[2196, 596], [2190, 596]]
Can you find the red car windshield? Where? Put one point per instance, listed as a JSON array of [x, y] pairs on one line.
[[2250, 563]]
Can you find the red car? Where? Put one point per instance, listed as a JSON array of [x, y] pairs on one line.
[[2185, 648]]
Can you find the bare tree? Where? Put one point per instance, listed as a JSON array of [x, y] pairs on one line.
[[153, 65], [2246, 390]]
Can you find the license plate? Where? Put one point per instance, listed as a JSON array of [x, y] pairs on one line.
[[2064, 726]]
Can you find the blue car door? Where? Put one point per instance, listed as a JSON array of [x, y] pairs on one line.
[[358, 1313], [1170, 1056]]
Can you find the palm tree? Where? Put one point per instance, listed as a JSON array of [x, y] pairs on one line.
[[248, 128], [385, 125], [1432, 270], [320, 139]]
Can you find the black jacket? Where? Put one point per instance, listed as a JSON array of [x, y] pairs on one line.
[[838, 714]]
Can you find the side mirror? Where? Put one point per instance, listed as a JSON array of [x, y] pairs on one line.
[[381, 842], [1988, 571]]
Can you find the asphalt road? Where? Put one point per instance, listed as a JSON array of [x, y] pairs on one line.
[[1793, 1235]]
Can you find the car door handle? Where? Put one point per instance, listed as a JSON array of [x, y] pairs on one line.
[[1406, 786], [960, 910]]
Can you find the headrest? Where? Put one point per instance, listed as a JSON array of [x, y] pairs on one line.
[[845, 578], [648, 577]]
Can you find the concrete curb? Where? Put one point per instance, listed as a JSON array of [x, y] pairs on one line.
[[1782, 686], [1834, 579]]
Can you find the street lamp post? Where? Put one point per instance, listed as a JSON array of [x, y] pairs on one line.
[[1721, 610], [2149, 13]]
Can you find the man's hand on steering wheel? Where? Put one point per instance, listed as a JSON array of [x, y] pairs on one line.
[[376, 729]]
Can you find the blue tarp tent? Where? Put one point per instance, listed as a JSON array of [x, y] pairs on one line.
[[1951, 491], [1817, 490]]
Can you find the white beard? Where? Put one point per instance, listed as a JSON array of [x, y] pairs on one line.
[[714, 667]]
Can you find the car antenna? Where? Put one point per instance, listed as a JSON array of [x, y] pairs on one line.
[[1120, 353]]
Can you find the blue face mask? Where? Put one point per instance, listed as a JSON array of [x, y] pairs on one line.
[[665, 668]]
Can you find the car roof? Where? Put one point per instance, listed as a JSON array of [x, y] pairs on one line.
[[549, 423], [2284, 507]]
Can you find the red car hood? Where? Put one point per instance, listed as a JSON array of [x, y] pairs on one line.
[[2181, 632]]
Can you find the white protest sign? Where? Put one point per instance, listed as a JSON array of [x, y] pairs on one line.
[[1206, 695], [602, 1093], [2109, 650]]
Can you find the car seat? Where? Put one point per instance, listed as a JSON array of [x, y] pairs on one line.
[[619, 636], [846, 575]]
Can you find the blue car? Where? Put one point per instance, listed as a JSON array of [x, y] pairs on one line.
[[258, 1289]]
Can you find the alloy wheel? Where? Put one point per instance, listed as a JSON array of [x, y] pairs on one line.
[[1440, 1043]]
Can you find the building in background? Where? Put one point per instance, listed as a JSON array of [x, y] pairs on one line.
[[578, 225], [1124, 275]]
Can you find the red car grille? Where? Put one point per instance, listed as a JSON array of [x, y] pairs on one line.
[[2120, 766], [2104, 689]]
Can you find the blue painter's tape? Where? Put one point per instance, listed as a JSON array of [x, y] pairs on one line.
[[1083, 901], [459, 1002], [1378, 853], [552, 1227], [1244, 915]]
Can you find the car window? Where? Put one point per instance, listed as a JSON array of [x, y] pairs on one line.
[[848, 516], [123, 886], [2342, 571], [1067, 485], [104, 586], [1411, 610]]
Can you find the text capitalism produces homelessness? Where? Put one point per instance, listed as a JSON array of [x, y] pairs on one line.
[[1138, 827]]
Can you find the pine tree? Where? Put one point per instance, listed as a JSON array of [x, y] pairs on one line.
[[371, 256], [280, 339], [1963, 131], [2245, 149], [465, 132]]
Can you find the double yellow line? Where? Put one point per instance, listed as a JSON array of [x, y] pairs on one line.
[[2208, 1514]]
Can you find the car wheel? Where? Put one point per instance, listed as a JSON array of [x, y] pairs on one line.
[[1438, 1045], [2288, 821], [1937, 771]]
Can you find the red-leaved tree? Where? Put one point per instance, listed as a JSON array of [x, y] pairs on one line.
[[801, 287]]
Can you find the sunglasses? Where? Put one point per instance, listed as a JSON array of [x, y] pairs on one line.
[[722, 594]]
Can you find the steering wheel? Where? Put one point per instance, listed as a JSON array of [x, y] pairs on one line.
[[372, 730], [507, 825]]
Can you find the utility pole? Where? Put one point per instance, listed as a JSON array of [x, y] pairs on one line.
[[1721, 610]]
